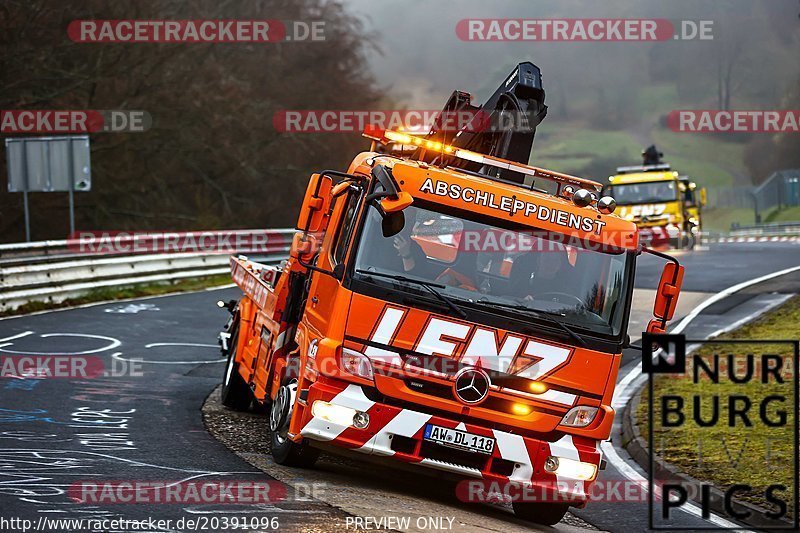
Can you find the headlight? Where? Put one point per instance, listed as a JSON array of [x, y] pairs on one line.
[[357, 364], [672, 230], [339, 415], [579, 416], [570, 468]]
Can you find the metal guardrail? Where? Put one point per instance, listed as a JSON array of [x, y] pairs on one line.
[[52, 271], [759, 233], [778, 229]]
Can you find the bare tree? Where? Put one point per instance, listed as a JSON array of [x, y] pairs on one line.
[[213, 158]]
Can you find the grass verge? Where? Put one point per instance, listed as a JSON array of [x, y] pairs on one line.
[[758, 455], [787, 214], [721, 218], [123, 292], [595, 154]]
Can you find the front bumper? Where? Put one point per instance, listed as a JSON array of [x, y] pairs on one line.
[[660, 236], [396, 432]]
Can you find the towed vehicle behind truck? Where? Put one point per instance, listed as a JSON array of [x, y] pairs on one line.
[[448, 305]]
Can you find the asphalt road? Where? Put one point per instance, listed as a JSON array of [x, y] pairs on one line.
[[142, 425], [145, 424], [719, 266]]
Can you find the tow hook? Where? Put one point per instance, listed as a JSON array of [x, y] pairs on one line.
[[223, 340]]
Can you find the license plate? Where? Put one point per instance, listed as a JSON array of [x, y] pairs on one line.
[[458, 439]]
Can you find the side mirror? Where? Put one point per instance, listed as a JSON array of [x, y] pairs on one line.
[[392, 223], [395, 205], [313, 216], [703, 196], [391, 198], [669, 287]]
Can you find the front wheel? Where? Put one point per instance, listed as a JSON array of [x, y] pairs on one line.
[[284, 450], [235, 393], [541, 513]]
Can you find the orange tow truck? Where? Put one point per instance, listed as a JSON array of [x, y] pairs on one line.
[[452, 307]]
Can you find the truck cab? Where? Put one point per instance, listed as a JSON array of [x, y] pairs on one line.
[[665, 205], [450, 309]]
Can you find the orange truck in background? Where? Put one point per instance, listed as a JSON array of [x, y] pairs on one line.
[[448, 305]]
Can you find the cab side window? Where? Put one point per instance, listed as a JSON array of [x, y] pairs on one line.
[[345, 228]]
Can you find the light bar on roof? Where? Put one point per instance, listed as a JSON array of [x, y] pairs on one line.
[[469, 156], [404, 138], [566, 182], [644, 168]]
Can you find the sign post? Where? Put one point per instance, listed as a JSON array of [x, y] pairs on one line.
[[48, 164]]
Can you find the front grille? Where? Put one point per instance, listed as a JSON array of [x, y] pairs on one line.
[[431, 388], [494, 402], [403, 404]]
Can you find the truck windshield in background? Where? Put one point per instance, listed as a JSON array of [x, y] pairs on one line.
[[645, 193], [524, 273]]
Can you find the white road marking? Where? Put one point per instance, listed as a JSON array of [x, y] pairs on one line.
[[113, 343], [11, 338], [153, 344], [132, 308], [118, 357], [37, 453]]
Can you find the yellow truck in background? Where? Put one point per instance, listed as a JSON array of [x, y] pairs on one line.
[[665, 205]]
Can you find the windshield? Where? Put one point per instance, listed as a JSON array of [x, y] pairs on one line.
[[523, 273], [645, 193]]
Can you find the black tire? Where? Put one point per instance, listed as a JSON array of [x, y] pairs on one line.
[[261, 408], [235, 393], [285, 451], [548, 514]]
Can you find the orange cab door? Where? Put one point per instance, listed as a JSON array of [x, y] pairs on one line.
[[324, 303]]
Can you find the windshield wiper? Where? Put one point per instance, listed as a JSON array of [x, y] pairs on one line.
[[539, 314], [428, 285]]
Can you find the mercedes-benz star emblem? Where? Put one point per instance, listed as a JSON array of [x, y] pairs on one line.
[[471, 385]]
